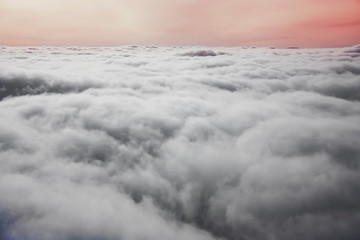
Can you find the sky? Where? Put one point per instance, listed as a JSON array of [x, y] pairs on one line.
[[280, 23]]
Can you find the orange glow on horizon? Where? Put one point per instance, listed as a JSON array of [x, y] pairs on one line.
[[305, 23]]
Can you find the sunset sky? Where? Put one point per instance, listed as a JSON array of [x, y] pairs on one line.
[[280, 23]]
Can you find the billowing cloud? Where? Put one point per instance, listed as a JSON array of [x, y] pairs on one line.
[[179, 143]]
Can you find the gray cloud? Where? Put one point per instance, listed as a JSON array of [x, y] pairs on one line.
[[22, 85], [202, 53], [160, 143]]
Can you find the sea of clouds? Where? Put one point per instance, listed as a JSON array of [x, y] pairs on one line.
[[179, 143]]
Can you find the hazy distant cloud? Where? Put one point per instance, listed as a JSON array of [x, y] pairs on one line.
[[202, 53], [179, 143]]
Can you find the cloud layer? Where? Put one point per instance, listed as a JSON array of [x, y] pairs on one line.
[[179, 143]]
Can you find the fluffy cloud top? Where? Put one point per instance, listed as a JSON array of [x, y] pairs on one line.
[[179, 143]]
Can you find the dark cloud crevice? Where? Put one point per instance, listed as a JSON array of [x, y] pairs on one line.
[[20, 86], [347, 68], [203, 53]]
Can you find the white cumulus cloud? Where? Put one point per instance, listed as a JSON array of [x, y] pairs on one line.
[[179, 143]]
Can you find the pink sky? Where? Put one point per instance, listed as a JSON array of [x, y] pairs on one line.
[[281, 23]]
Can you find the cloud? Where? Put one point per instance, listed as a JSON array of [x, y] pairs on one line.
[[22, 85], [202, 53], [146, 143]]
